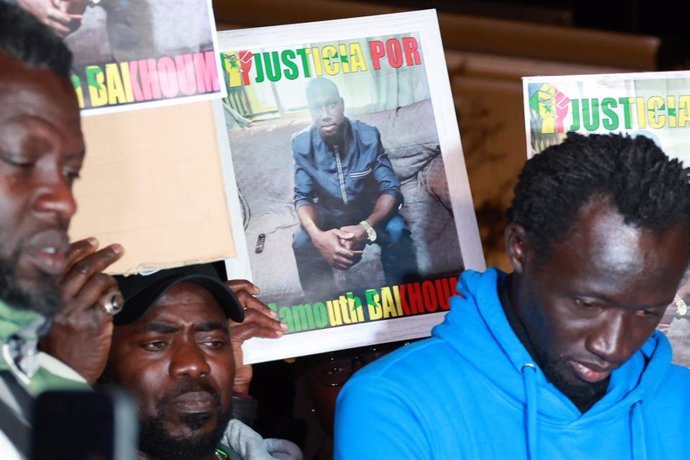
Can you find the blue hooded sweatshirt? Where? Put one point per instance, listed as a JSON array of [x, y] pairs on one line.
[[472, 391]]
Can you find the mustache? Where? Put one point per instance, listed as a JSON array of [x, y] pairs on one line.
[[190, 386], [44, 299]]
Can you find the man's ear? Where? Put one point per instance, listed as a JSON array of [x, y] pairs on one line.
[[517, 248]]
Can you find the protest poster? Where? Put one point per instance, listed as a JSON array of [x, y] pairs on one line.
[[140, 53], [152, 178], [390, 74], [152, 181], [651, 104]]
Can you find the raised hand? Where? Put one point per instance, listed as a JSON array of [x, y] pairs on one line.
[[259, 321], [82, 330]]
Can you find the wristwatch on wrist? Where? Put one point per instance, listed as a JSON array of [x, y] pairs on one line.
[[371, 233]]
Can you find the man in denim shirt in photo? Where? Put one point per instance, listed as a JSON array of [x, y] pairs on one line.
[[346, 195]]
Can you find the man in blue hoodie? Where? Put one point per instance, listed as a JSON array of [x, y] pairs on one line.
[[560, 358]]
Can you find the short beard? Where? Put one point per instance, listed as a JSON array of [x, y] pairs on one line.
[[583, 395], [43, 299], [155, 441]]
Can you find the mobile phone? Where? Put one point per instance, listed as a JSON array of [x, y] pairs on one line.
[[84, 425], [260, 243]]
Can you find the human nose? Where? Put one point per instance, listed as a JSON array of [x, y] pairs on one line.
[[325, 112], [611, 341], [188, 360], [55, 196]]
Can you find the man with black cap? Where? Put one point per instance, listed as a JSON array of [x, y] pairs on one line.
[[173, 350]]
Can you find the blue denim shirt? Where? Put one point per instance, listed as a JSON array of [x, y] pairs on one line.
[[343, 184]]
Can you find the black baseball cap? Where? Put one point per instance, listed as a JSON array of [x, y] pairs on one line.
[[142, 291]]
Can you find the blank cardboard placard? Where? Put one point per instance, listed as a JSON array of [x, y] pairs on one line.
[[152, 182]]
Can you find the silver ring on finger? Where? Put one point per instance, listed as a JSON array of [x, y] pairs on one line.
[[112, 301]]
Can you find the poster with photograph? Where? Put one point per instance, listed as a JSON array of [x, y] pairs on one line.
[[351, 183], [651, 104], [138, 53]]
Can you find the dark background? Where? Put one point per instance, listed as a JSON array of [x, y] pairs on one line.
[[660, 18]]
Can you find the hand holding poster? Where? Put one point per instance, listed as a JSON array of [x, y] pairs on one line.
[[653, 104], [343, 143]]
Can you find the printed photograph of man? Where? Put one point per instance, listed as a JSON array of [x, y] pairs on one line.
[[346, 195]]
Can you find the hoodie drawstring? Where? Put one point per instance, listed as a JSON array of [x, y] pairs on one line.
[[638, 445], [529, 373]]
